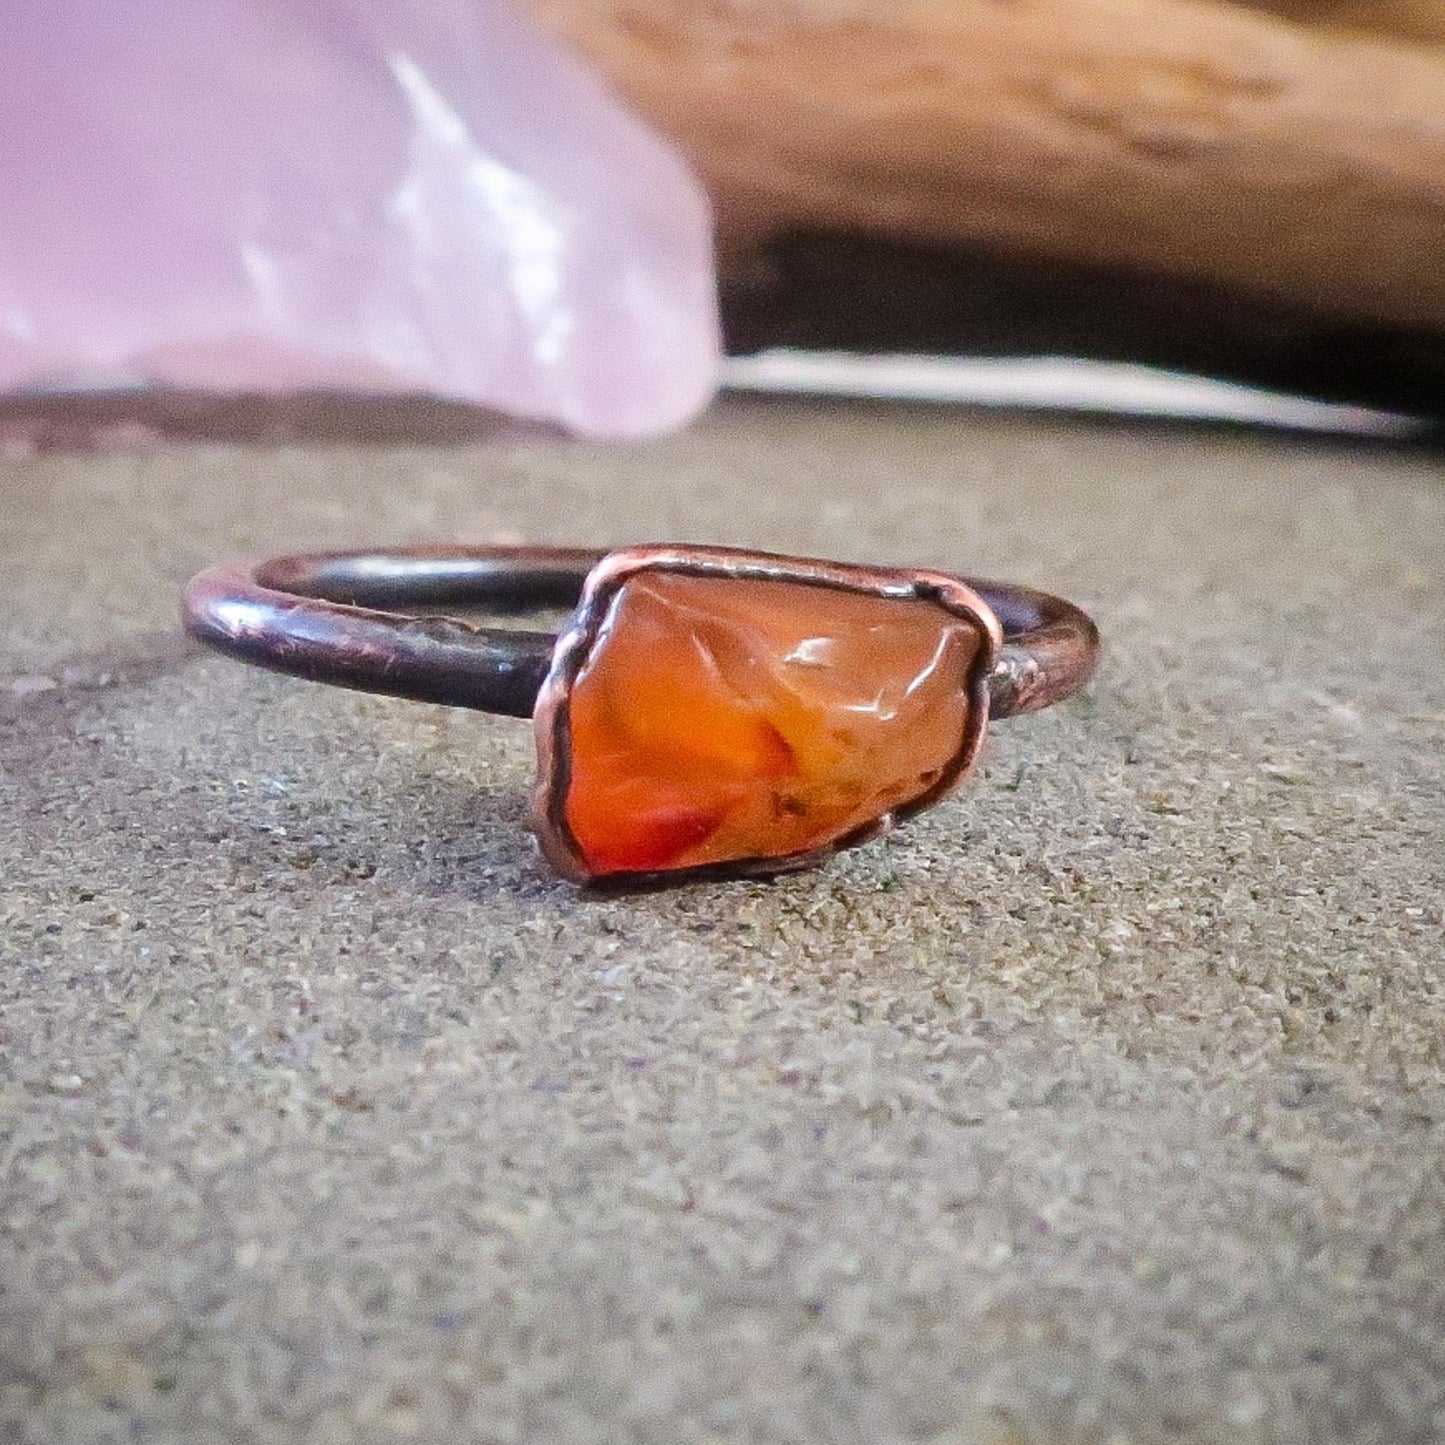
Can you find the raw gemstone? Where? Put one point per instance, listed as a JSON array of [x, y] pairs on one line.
[[718, 719], [270, 196]]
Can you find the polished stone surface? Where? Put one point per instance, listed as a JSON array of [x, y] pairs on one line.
[[718, 719]]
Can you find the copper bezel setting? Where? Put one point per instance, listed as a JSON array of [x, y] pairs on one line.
[[575, 645]]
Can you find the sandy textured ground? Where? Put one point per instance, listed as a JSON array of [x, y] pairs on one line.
[[1104, 1104]]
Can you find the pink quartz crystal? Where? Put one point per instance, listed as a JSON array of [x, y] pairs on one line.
[[359, 195]]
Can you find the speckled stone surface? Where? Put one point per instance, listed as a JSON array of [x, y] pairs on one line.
[[1105, 1103]]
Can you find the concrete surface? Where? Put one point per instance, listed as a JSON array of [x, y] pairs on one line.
[[1104, 1104]]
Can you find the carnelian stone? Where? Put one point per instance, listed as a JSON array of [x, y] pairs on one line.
[[717, 719]]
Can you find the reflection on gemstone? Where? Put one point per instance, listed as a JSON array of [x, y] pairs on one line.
[[717, 719]]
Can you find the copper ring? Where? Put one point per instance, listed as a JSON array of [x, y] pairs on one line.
[[348, 618]]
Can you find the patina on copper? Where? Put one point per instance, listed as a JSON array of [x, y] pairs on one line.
[[343, 618]]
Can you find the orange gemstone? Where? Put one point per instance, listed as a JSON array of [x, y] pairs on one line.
[[716, 719]]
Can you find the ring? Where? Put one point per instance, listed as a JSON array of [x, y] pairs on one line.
[[706, 711]]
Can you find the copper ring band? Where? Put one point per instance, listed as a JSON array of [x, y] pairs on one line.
[[341, 618], [652, 778]]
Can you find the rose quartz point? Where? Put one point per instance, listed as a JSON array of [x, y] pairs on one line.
[[394, 196]]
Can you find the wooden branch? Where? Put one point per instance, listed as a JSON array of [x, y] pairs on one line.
[[1208, 142]]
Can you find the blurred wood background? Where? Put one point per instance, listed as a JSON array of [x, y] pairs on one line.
[[1285, 154]]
